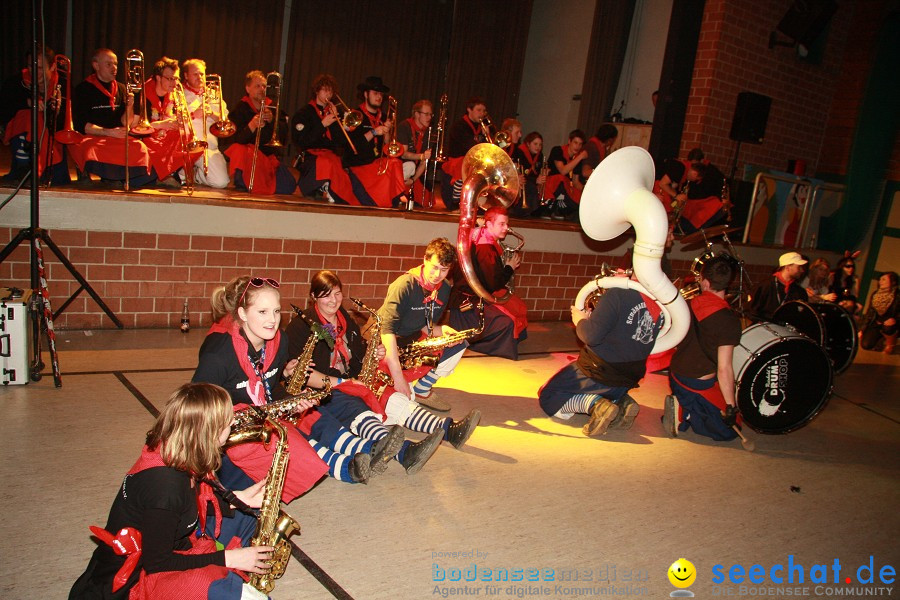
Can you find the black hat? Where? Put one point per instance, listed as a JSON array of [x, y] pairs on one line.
[[373, 83]]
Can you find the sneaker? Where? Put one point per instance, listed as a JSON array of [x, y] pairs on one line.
[[461, 431], [602, 414], [628, 410], [387, 448], [669, 417], [433, 402], [418, 453]]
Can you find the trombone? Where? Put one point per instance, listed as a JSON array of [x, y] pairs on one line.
[[222, 128], [134, 85], [348, 117], [273, 142], [438, 157], [394, 149], [67, 135], [486, 129], [352, 118], [189, 143]]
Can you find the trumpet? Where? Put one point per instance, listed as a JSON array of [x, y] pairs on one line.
[[222, 128], [273, 142]]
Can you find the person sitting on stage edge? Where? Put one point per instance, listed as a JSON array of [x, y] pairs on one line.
[[412, 311], [99, 111], [701, 374], [783, 286], [618, 336], [165, 144], [504, 324], [318, 137], [562, 192], [703, 205], [462, 135], [355, 405], [513, 128], [15, 120], [412, 133], [270, 177], [377, 179], [881, 318], [211, 170], [598, 148], [530, 158], [171, 514]]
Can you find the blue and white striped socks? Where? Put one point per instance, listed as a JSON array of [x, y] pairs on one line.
[[370, 427], [579, 403], [338, 464], [349, 444], [423, 385], [424, 421]]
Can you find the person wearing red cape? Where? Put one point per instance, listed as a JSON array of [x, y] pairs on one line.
[[562, 193], [412, 134], [462, 135], [160, 540]]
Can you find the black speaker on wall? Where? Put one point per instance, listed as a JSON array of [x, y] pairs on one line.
[[806, 19], [750, 117]]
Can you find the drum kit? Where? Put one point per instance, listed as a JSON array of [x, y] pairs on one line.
[[783, 370]]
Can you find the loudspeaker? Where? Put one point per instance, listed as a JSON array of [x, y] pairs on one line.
[[750, 117], [805, 20]]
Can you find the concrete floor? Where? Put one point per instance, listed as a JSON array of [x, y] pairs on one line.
[[577, 516]]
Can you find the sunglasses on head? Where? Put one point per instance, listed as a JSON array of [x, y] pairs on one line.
[[258, 282]]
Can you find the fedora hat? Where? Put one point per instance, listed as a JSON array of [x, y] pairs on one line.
[[373, 83]]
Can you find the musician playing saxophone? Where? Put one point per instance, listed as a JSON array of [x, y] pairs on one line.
[[341, 357], [504, 324]]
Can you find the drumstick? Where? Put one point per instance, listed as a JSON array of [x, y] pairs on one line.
[[748, 444]]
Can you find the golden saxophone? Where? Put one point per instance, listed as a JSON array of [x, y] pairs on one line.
[[369, 375], [274, 526], [299, 377], [427, 352]]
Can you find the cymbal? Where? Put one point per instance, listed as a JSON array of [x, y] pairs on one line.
[[712, 232]]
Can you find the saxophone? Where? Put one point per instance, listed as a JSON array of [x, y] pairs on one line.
[[299, 377], [274, 526], [427, 352], [369, 375]]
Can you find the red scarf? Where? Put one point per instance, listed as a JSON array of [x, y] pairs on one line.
[[523, 148], [256, 389], [320, 112], [482, 236], [375, 117], [340, 345], [706, 304], [418, 274], [161, 106], [780, 277], [251, 105], [51, 83], [109, 93], [417, 133], [198, 92], [475, 130]]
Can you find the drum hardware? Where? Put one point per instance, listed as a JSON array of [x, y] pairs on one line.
[[707, 234], [747, 443]]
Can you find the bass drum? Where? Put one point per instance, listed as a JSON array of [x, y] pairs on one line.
[[782, 378], [826, 323]]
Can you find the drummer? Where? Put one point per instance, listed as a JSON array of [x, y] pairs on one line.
[[701, 374], [783, 286]]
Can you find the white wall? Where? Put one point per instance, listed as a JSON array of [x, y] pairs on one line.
[[643, 58], [555, 59]]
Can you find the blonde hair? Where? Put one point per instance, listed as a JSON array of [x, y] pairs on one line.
[[187, 431], [237, 293]]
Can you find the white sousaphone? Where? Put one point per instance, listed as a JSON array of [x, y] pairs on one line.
[[618, 195]]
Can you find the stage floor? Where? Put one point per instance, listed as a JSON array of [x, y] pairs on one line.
[[526, 492]]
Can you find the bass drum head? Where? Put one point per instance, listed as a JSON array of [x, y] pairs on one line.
[[803, 317], [783, 381], [841, 342]]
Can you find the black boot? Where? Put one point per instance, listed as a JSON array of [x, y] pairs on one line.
[[360, 469], [460, 431], [387, 448], [418, 453]]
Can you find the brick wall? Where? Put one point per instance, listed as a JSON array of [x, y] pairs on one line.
[[144, 278], [733, 56]]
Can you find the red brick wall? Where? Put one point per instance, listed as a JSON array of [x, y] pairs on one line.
[[733, 56], [144, 278]]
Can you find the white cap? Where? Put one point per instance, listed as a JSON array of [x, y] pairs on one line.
[[791, 258]]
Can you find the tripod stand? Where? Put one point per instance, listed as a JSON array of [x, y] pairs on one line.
[[42, 314]]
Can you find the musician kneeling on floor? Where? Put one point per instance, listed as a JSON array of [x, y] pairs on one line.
[[163, 527], [618, 337], [701, 374]]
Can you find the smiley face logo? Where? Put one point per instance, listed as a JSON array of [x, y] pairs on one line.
[[682, 573]]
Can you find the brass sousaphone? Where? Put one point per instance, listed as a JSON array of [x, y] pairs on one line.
[[489, 179]]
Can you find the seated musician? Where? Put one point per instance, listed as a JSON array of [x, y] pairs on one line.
[[562, 193], [15, 119], [598, 147], [783, 286], [377, 178], [504, 324], [321, 141], [165, 144], [413, 134], [513, 129], [253, 110], [342, 360], [701, 374], [246, 353], [99, 111], [529, 157], [150, 547], [411, 311], [618, 336], [462, 135], [211, 169], [674, 177], [702, 205]]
